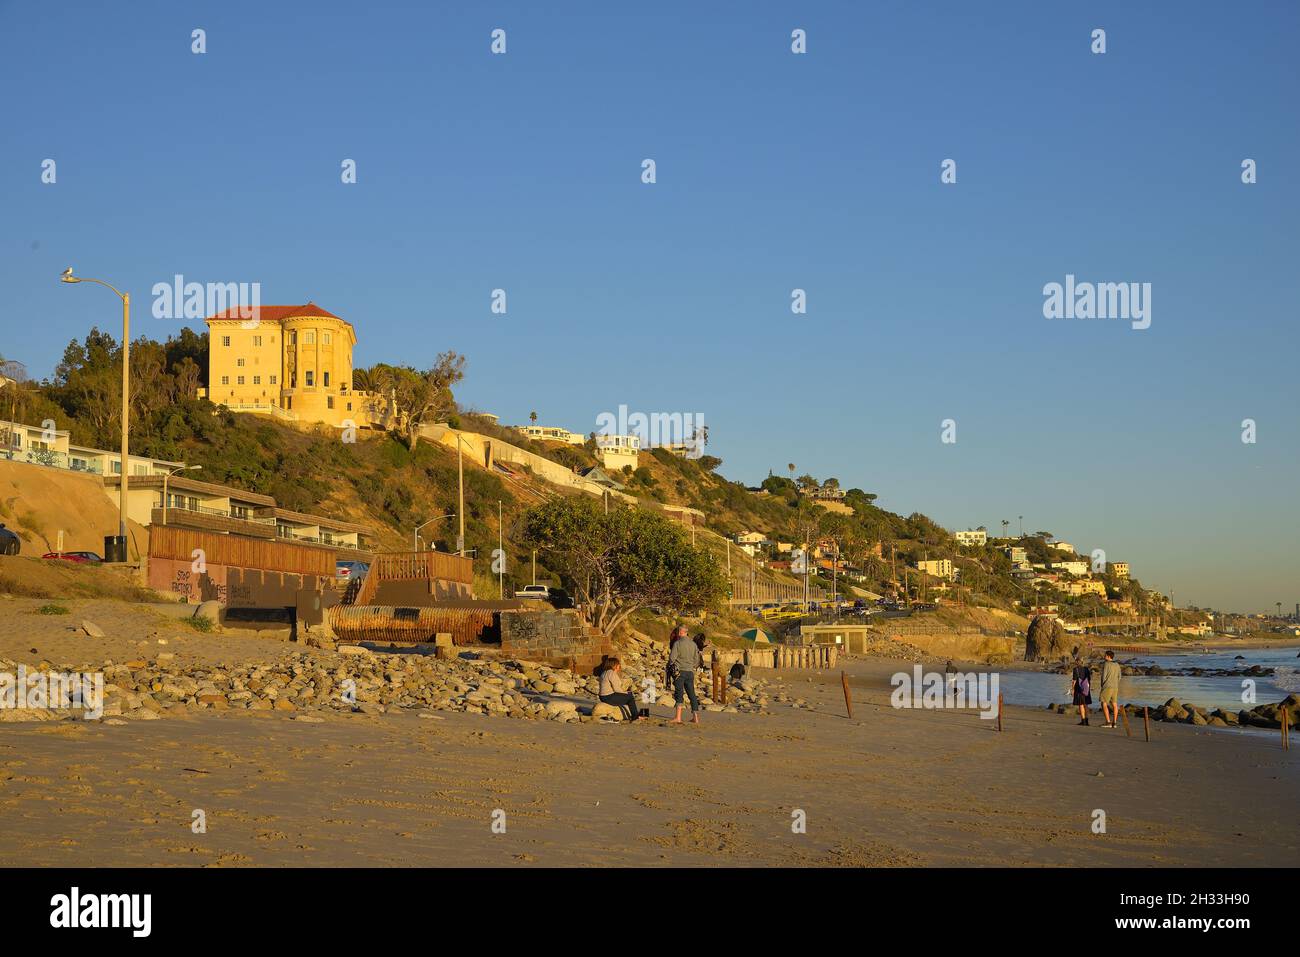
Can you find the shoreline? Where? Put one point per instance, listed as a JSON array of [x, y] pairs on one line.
[[888, 787]]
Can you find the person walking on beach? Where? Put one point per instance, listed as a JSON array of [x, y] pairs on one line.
[[683, 659], [677, 635], [1110, 675], [1081, 686], [614, 691]]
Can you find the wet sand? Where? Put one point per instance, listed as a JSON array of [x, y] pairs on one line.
[[886, 788]]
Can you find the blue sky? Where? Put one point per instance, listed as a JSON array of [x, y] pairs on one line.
[[775, 172]]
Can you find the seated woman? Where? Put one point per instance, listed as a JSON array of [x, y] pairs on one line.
[[613, 691]]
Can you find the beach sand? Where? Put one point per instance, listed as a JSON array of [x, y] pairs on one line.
[[886, 788]]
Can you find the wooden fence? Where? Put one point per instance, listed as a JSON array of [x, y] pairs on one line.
[[422, 566], [180, 544]]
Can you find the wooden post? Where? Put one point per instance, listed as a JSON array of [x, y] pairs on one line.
[[1286, 730], [1124, 714], [1146, 720], [848, 700], [714, 668], [999, 710]]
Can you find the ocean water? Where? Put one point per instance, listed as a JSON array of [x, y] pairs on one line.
[[1038, 689]]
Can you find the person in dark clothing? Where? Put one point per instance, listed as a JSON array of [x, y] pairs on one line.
[[614, 692], [1081, 687]]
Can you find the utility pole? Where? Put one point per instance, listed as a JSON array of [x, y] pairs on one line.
[[501, 554], [534, 566], [460, 485]]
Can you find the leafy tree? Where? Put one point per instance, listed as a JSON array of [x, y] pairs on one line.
[[623, 561], [420, 396]]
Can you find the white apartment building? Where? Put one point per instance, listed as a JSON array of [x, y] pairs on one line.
[[972, 537]]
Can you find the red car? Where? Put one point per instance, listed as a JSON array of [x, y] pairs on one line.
[[80, 558]]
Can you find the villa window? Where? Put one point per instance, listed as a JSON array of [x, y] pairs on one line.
[[311, 378], [225, 340], [239, 363], [326, 381], [257, 380], [273, 380], [326, 338], [329, 402], [239, 380], [225, 380], [309, 337], [257, 340]]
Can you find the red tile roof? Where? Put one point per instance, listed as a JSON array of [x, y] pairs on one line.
[[276, 313]]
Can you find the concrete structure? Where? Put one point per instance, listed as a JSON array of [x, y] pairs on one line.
[[221, 509], [293, 362], [550, 433], [1018, 556], [1079, 568], [52, 447], [938, 567], [617, 451], [972, 537], [1118, 569], [1085, 586], [850, 638]]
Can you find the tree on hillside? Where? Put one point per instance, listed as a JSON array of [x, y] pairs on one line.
[[620, 562], [420, 397]]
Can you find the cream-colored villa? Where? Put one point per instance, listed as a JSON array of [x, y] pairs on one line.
[[293, 362]]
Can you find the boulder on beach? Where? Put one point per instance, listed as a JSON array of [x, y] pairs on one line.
[[211, 610], [1045, 640], [91, 629]]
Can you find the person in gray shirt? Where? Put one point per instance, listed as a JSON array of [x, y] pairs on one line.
[[1110, 675], [683, 659]]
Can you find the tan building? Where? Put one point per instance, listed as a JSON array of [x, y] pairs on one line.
[[293, 362], [938, 567], [1119, 569], [1085, 586]]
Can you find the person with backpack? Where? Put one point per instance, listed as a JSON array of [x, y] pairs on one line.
[[1081, 686]]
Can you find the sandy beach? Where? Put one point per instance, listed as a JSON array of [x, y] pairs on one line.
[[885, 788]]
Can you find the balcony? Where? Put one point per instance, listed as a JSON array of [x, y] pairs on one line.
[[214, 520]]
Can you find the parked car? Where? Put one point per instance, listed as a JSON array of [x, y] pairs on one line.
[[561, 598], [540, 592], [81, 558], [346, 570], [10, 544]]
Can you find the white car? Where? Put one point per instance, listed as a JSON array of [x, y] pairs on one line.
[[534, 591]]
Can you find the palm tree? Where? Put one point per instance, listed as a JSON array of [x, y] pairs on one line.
[[1005, 523], [791, 468], [532, 417]]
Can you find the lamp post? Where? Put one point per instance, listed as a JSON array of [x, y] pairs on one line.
[[168, 475], [415, 536], [126, 401]]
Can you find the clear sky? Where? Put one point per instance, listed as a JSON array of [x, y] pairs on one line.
[[775, 171]]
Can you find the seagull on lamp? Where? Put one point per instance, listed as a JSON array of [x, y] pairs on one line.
[[68, 277]]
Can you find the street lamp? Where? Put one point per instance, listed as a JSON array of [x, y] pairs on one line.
[[416, 534], [168, 475], [120, 544]]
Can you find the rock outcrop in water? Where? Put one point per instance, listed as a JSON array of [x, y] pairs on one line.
[[1045, 640]]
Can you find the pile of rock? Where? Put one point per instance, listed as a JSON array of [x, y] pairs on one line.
[[1261, 716], [354, 679]]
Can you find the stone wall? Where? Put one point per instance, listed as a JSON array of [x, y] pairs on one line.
[[556, 637]]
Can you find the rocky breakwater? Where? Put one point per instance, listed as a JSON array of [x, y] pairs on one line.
[[1261, 716], [307, 683]]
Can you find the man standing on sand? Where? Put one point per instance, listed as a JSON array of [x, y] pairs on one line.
[[1110, 675], [683, 659]]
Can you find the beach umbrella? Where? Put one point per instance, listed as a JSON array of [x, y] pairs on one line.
[[756, 635]]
